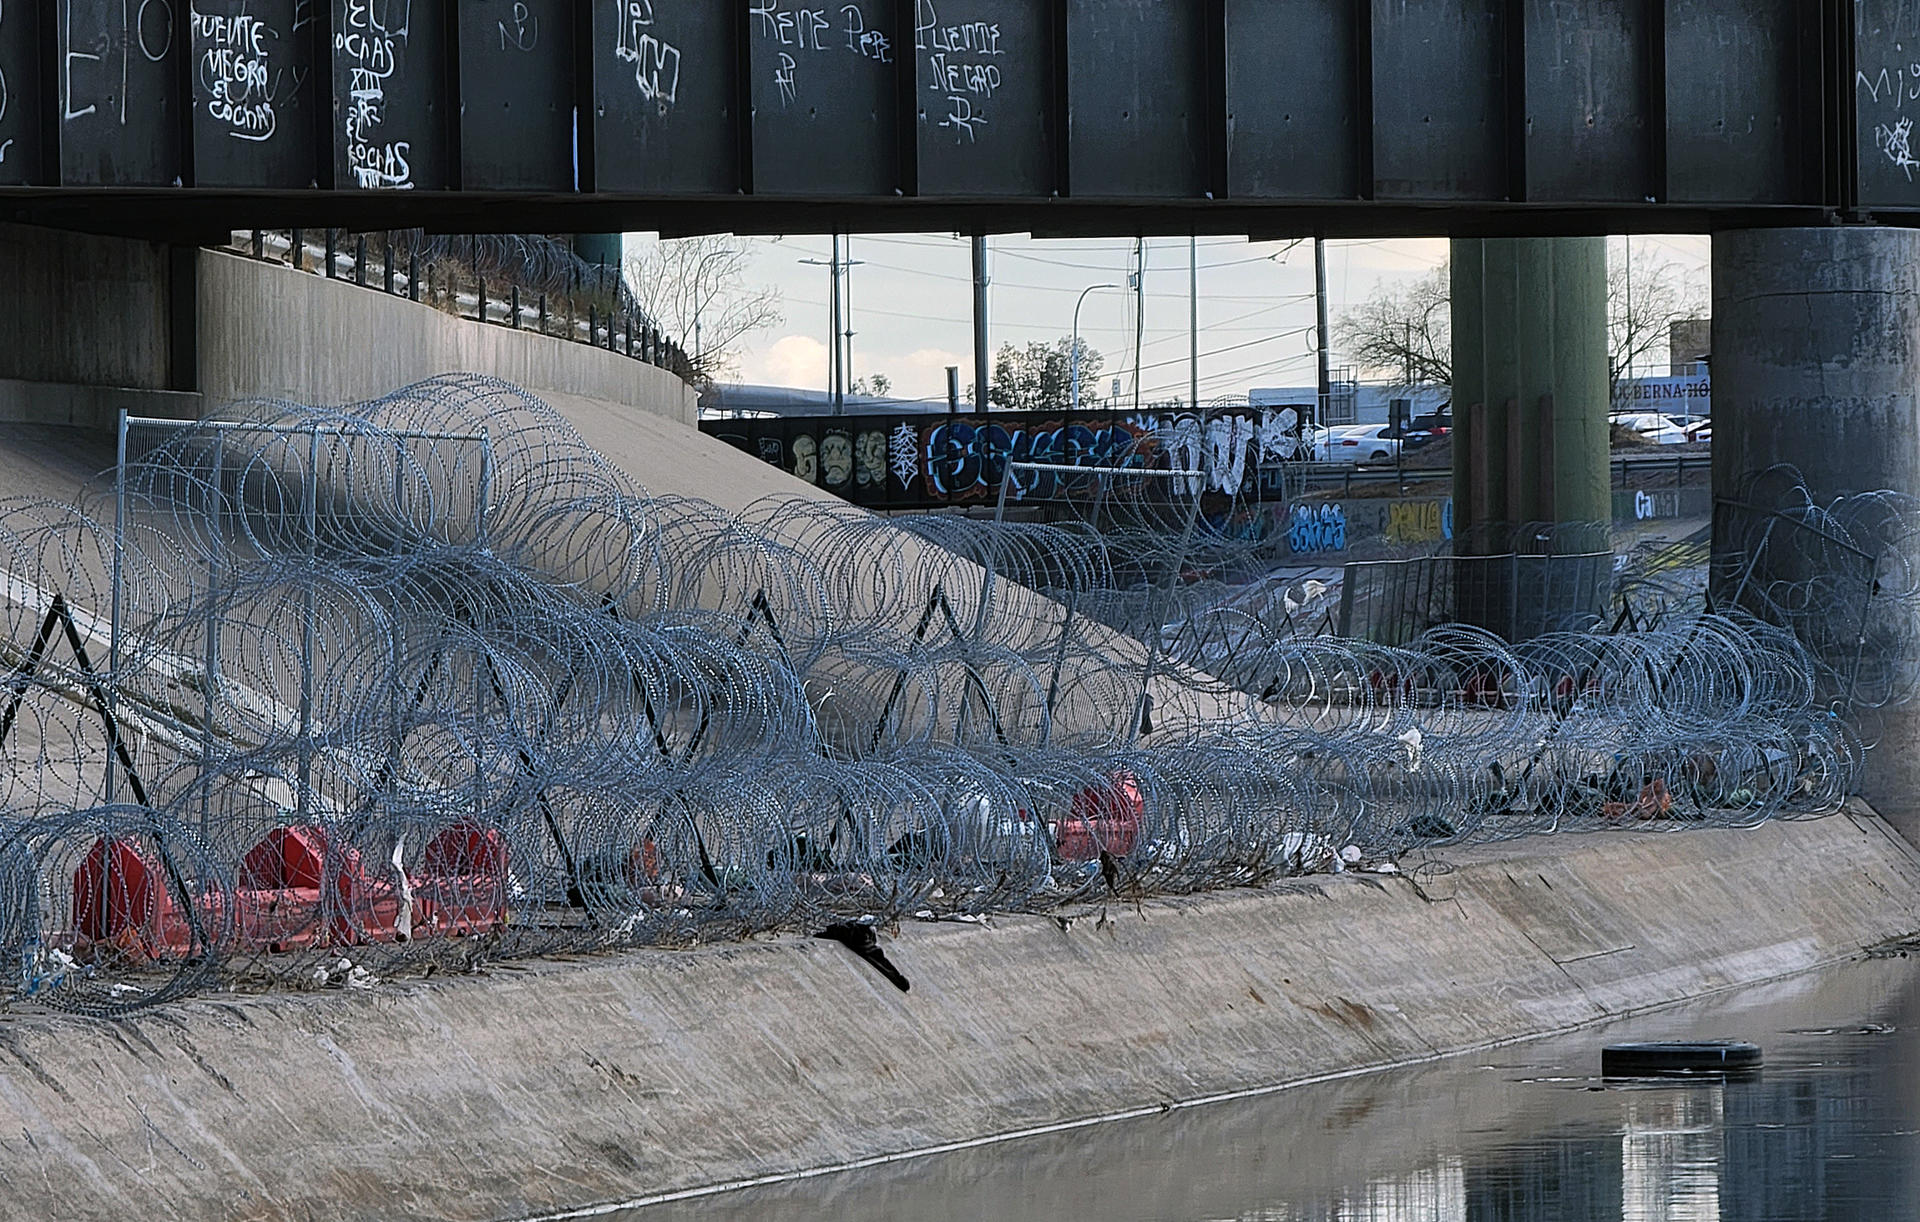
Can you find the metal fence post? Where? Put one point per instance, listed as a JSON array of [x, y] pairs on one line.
[[304, 799], [112, 687], [360, 260], [514, 304], [333, 249], [210, 688], [387, 270], [259, 244], [543, 312], [297, 250], [413, 275]]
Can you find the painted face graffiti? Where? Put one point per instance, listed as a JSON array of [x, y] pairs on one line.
[[870, 459]]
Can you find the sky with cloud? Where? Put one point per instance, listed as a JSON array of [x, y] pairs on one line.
[[910, 304]]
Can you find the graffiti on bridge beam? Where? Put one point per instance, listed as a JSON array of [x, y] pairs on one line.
[[923, 460]]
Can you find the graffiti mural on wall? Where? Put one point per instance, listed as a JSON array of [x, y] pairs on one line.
[[908, 461], [1420, 521], [1317, 528]]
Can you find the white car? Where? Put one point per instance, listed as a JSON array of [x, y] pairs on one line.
[[1357, 443], [1653, 427]]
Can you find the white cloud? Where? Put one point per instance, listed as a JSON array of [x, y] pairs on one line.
[[922, 373], [791, 360]]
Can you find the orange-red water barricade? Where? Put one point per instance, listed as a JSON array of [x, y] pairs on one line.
[[1105, 817], [122, 900], [292, 892], [463, 881]]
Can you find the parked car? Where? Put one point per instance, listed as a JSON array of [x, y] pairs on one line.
[[1359, 443], [1652, 426]]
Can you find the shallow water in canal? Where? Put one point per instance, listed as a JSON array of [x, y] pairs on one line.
[[1829, 1129]]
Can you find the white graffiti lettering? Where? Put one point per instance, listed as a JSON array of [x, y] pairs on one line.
[[802, 29], [5, 144], [903, 453], [656, 62], [525, 34], [959, 67], [147, 26], [235, 75], [372, 34], [1897, 143]]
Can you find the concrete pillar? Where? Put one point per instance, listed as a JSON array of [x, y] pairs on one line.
[[600, 248], [1816, 354], [1530, 432], [1529, 390], [1816, 364]]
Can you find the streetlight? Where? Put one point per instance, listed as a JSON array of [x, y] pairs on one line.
[[1073, 355], [700, 271]]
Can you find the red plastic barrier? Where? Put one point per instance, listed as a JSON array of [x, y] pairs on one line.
[[1102, 817], [463, 882], [286, 900], [121, 900]]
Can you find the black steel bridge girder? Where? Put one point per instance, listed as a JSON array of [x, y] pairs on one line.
[[1342, 117]]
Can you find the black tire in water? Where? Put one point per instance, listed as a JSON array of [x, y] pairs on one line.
[[1668, 1057]]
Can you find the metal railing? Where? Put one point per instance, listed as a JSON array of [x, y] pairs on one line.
[[522, 282]]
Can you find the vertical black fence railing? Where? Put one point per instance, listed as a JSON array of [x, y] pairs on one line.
[[593, 293]]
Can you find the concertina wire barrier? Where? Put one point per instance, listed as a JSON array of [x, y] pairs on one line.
[[318, 694]]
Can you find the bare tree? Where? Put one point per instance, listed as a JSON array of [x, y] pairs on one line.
[[1405, 334], [1402, 334], [1646, 294], [697, 289]]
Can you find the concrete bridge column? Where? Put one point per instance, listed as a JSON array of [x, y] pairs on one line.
[[1529, 417], [1816, 364]]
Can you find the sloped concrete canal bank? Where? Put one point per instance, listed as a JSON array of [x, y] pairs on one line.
[[545, 1087]]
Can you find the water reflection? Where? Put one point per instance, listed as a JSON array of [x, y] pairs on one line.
[[1827, 1130]]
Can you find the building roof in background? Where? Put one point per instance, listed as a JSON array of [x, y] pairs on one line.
[[736, 398]]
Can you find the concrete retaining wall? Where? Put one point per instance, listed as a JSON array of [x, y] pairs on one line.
[[95, 408], [269, 331], [84, 309], [547, 1086]]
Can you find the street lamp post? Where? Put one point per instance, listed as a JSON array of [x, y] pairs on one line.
[[1073, 355], [699, 274]]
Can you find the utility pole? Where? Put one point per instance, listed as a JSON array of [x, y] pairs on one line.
[[836, 330], [1320, 335], [1139, 311], [980, 282], [1193, 319], [847, 264], [833, 361]]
